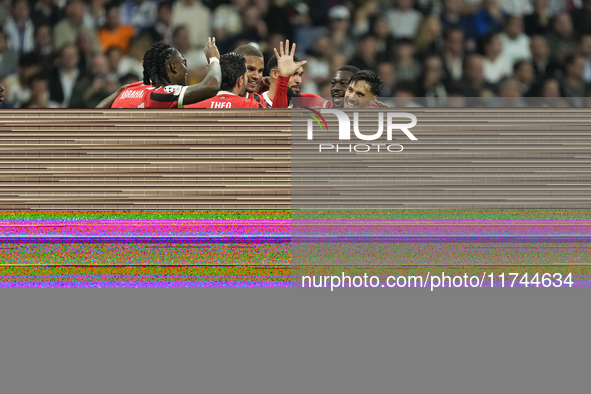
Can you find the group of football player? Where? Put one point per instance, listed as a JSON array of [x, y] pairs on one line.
[[235, 80]]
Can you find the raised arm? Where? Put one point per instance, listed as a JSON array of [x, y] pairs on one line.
[[286, 67], [210, 85], [106, 103]]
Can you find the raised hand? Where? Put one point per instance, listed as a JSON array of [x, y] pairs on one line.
[[285, 64], [211, 50]]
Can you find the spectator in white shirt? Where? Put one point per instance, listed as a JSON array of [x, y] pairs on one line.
[[404, 20], [19, 28], [515, 42], [496, 66]]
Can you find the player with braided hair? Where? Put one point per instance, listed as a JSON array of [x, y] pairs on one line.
[[165, 81]]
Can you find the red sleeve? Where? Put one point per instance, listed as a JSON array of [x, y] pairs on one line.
[[280, 99]]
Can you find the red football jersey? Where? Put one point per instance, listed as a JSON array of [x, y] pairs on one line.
[[226, 100], [169, 96], [257, 98], [132, 96]]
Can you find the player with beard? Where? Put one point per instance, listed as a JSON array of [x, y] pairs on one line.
[[293, 88], [364, 88], [234, 82], [165, 81]]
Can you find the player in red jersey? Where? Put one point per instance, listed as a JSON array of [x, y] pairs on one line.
[[234, 81], [294, 87], [255, 65], [164, 64], [166, 70]]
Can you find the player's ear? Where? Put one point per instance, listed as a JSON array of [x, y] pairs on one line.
[[172, 66], [274, 74]]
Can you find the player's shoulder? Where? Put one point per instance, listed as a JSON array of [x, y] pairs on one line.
[[174, 90]]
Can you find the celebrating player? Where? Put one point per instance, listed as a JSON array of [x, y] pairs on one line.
[[364, 88], [165, 80], [234, 81]]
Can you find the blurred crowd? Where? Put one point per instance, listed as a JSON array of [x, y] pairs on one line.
[[73, 54]]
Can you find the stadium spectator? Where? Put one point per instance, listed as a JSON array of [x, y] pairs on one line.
[[227, 21], [44, 42], [585, 50], [196, 17], [114, 57], [428, 39], [404, 94], [86, 49], [46, 12], [403, 19], [524, 74], [496, 65], [452, 18], [431, 84], [19, 28], [139, 13], [572, 84], [133, 62], [367, 57], [196, 61], [97, 84], [385, 41], [582, 18], [18, 84], [67, 30], [453, 54], [8, 57], [387, 74], [538, 22], [544, 65], [64, 77], [407, 66], [39, 86], [509, 94], [339, 23], [319, 60], [162, 30], [489, 19], [254, 28], [474, 83], [562, 37], [515, 42], [95, 15], [275, 17], [113, 33]]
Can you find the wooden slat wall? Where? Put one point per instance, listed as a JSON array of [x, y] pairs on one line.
[[241, 159], [144, 160]]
